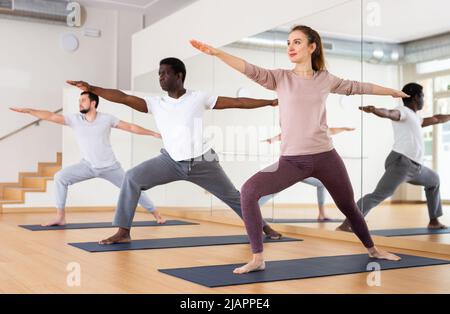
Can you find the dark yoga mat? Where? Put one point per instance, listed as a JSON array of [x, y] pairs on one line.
[[222, 275], [408, 232], [90, 225], [168, 243], [287, 221]]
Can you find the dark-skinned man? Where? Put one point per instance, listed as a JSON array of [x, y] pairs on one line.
[[405, 162], [187, 155]]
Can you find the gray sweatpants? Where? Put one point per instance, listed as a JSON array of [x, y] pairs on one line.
[[204, 171], [311, 181], [84, 171], [399, 169]]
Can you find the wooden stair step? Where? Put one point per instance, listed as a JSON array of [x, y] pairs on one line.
[[48, 164], [19, 188], [49, 170], [15, 193], [31, 174], [59, 158], [39, 182], [3, 201], [28, 174]]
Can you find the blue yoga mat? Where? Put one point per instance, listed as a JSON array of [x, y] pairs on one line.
[[408, 232], [92, 225], [168, 243], [222, 275]]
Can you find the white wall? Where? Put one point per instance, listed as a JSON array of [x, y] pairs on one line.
[[218, 22], [22, 152], [33, 70], [158, 10], [128, 23]]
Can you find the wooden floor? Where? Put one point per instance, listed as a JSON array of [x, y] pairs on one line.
[[36, 262]]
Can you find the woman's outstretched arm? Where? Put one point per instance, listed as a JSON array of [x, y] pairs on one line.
[[264, 77], [233, 61], [380, 90], [349, 87]]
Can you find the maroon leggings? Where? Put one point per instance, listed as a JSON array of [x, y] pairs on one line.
[[328, 167]]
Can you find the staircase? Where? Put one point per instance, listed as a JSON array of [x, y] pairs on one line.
[[14, 193]]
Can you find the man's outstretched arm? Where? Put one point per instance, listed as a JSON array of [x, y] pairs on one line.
[[336, 130], [436, 119], [394, 114], [42, 114], [136, 129], [243, 103], [270, 140], [113, 95]]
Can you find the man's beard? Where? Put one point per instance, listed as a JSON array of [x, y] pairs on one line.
[[84, 111]]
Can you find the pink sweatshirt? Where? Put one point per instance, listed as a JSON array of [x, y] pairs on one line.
[[302, 101]]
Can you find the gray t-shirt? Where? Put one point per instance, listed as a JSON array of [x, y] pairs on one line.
[[94, 137]]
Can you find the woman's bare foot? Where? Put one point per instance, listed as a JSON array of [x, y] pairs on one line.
[[270, 233], [60, 220], [380, 254], [436, 224], [345, 226], [256, 264], [158, 217], [122, 236]]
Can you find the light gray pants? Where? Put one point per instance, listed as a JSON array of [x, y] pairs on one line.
[[399, 169], [311, 181], [84, 171], [204, 171]]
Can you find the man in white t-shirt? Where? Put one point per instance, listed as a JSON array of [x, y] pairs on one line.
[[92, 131], [405, 162], [187, 154]]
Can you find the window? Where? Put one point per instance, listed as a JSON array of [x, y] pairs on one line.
[[442, 84], [433, 66]]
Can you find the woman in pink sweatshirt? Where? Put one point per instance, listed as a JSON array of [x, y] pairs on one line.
[[306, 147]]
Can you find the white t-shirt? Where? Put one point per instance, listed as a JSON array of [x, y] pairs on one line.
[[180, 122], [408, 139], [94, 137]]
